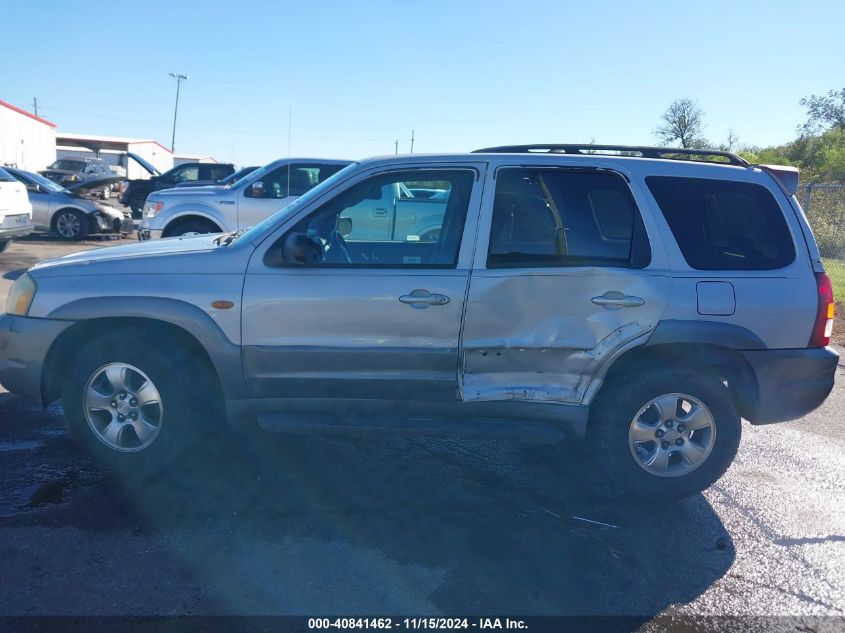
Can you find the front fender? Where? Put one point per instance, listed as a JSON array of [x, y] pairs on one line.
[[224, 354]]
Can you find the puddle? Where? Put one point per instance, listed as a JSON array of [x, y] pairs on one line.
[[20, 445], [41, 494]]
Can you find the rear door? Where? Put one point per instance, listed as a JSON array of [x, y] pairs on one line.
[[363, 317], [564, 277]]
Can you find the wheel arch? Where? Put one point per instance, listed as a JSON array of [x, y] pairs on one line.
[[188, 215], [724, 362], [90, 214], [160, 319]]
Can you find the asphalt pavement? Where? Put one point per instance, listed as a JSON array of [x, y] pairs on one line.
[[277, 524]]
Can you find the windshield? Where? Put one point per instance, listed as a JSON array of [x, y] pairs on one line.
[[233, 179], [46, 183], [267, 224], [257, 173], [70, 165]]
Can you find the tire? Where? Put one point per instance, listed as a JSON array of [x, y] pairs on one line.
[[626, 420], [71, 224], [192, 227], [4, 244], [102, 413]]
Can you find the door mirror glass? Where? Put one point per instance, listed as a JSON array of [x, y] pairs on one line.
[[34, 188]]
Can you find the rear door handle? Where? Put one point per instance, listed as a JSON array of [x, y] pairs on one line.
[[421, 298], [615, 299]]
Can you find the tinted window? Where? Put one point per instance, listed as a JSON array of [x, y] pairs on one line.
[[379, 223], [724, 225], [216, 172], [562, 218]]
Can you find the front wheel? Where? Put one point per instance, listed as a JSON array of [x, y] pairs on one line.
[[667, 435], [135, 407], [71, 224]]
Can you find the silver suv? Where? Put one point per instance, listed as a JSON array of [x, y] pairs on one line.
[[646, 299]]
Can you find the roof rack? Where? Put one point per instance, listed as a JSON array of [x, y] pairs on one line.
[[636, 150]]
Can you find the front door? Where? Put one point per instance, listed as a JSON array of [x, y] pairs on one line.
[[331, 313], [566, 279]]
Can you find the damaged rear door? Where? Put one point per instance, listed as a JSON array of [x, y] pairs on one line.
[[564, 280]]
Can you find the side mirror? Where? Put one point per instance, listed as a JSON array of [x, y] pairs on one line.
[[300, 249], [256, 189], [34, 188]]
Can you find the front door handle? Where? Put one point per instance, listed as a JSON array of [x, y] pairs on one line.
[[615, 299], [421, 298]]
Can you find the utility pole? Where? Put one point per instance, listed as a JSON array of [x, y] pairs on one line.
[[396, 146], [35, 105], [179, 79], [412, 141]]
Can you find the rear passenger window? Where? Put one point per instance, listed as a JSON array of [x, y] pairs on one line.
[[724, 225], [545, 217]]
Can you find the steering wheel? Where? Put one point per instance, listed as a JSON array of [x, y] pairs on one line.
[[338, 244]]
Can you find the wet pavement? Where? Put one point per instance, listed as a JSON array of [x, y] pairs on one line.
[[277, 524]]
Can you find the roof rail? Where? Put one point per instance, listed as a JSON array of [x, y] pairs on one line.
[[635, 150]]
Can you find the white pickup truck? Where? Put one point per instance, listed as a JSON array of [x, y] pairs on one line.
[[243, 203]]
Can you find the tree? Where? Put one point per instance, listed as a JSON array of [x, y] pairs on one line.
[[683, 123], [826, 112]]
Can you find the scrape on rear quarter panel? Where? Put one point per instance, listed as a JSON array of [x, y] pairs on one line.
[[536, 335]]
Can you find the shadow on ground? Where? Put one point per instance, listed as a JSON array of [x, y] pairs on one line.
[[303, 525]]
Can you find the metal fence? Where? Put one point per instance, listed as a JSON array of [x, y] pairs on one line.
[[824, 205]]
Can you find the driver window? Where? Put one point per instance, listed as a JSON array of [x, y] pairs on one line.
[[403, 219], [187, 174]]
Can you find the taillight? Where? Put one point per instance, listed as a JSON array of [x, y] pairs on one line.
[[823, 327]]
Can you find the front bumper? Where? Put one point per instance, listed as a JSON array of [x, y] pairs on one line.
[[790, 382], [149, 234], [24, 344]]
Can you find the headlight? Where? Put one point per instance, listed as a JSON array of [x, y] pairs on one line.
[[21, 295], [152, 209]]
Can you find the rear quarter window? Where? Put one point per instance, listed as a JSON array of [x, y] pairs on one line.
[[724, 225]]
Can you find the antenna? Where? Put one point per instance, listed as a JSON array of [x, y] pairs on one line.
[[290, 125]]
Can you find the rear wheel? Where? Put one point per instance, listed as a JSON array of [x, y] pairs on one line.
[[667, 434], [134, 407], [192, 227], [71, 224]]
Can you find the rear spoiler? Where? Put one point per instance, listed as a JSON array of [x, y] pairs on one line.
[[786, 177]]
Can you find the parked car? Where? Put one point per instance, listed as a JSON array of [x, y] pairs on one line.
[[69, 171], [67, 212], [15, 210], [246, 202], [136, 191], [228, 180], [644, 302]]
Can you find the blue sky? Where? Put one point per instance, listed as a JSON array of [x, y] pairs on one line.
[[462, 73]]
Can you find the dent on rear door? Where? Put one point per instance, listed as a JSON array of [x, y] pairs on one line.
[[533, 335]]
